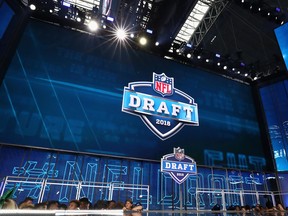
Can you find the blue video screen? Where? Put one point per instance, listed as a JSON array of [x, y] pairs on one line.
[[281, 35], [6, 14], [275, 104], [64, 90]]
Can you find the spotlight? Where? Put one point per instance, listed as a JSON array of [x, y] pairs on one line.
[[143, 41], [157, 43], [218, 63], [149, 31], [198, 57], [225, 67], [189, 55], [121, 34], [132, 35], [93, 25], [111, 19], [207, 60], [32, 7]]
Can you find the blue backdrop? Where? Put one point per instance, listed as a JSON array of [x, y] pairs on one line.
[[63, 90]]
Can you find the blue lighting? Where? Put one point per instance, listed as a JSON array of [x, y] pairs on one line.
[[149, 31]]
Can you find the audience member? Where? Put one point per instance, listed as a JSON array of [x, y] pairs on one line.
[[128, 206], [9, 204], [53, 205], [111, 204], [84, 203], [62, 206], [74, 205], [26, 203], [100, 204]]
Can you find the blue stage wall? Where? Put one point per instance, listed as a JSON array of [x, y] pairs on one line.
[[63, 90]]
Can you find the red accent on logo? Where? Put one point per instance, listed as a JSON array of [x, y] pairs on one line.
[[163, 87]]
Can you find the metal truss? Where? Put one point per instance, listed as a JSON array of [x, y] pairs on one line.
[[212, 14], [200, 20]]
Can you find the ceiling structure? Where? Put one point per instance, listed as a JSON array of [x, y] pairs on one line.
[[234, 38]]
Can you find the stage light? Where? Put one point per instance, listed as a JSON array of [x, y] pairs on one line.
[[207, 60], [246, 74], [218, 55], [32, 7], [121, 34], [111, 19], [143, 41], [93, 25], [149, 31], [189, 55], [67, 4], [218, 63], [132, 35], [225, 67], [157, 43], [198, 57]]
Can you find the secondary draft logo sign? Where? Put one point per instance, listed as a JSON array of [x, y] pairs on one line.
[[164, 109], [178, 165]]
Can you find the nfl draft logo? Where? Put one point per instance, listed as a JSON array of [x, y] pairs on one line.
[[164, 109], [178, 165]]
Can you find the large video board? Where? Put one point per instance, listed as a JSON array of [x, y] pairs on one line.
[[281, 35], [64, 90], [275, 103]]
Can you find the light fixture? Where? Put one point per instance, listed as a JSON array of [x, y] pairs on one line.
[[32, 7], [143, 41], [93, 25], [121, 34]]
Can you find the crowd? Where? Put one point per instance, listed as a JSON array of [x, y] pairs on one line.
[[81, 204], [269, 207]]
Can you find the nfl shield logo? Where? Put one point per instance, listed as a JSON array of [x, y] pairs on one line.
[[162, 84], [179, 153], [178, 165]]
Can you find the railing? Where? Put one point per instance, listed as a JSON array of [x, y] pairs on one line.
[[42, 184], [241, 193]]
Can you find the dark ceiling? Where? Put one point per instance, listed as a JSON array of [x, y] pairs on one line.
[[241, 34]]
